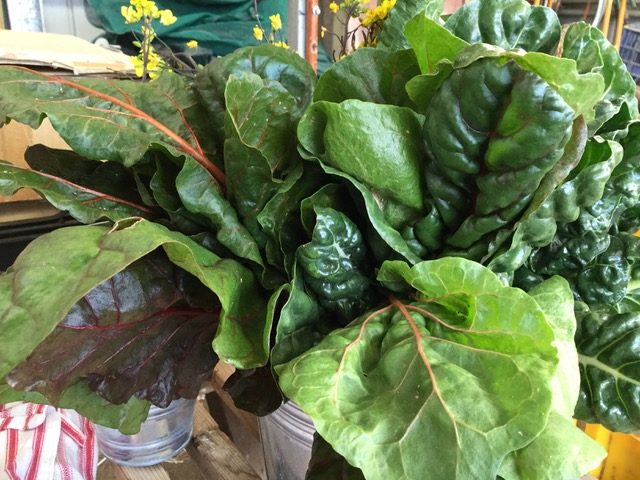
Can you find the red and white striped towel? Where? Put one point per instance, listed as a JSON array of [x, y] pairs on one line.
[[40, 442]]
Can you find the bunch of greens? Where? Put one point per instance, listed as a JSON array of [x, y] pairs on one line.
[[404, 244]]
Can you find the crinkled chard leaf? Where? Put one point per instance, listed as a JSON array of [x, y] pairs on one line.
[[371, 75], [458, 373], [135, 334], [508, 24], [568, 202], [112, 120], [608, 353], [593, 53], [480, 129], [334, 267], [392, 35], [40, 289], [84, 204]]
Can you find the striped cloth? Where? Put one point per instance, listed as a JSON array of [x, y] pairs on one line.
[[40, 442]]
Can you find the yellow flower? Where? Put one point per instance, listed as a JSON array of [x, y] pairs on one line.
[[258, 33], [281, 44], [167, 17], [276, 22], [334, 7], [192, 44], [323, 30], [130, 14]]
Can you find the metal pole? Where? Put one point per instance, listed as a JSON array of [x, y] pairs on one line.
[[311, 33], [607, 18], [617, 39]]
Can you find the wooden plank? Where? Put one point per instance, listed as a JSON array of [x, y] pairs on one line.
[[216, 455], [119, 472]]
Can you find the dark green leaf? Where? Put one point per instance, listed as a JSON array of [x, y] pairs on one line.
[[508, 24], [254, 391], [593, 53], [84, 204], [326, 464], [494, 115], [334, 266], [370, 75], [392, 35], [268, 62], [608, 352], [445, 380], [299, 323], [201, 195]]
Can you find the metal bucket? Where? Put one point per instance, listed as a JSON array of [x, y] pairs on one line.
[[287, 436], [164, 433]]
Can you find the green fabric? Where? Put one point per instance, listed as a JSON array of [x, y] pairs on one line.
[[218, 25]]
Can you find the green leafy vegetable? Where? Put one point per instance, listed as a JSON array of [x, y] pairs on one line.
[[509, 24], [333, 265], [413, 373], [610, 389]]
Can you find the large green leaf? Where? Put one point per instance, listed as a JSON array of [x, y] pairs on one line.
[[40, 289], [453, 380], [509, 24], [561, 451], [432, 43], [126, 417], [370, 75], [298, 326], [385, 152], [334, 265], [392, 35], [136, 334], [260, 143], [84, 204], [201, 195], [610, 390], [268, 62], [593, 53], [117, 120]]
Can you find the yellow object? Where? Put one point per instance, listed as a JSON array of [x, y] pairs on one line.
[[536, 2], [606, 22], [623, 461], [276, 22], [622, 11]]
